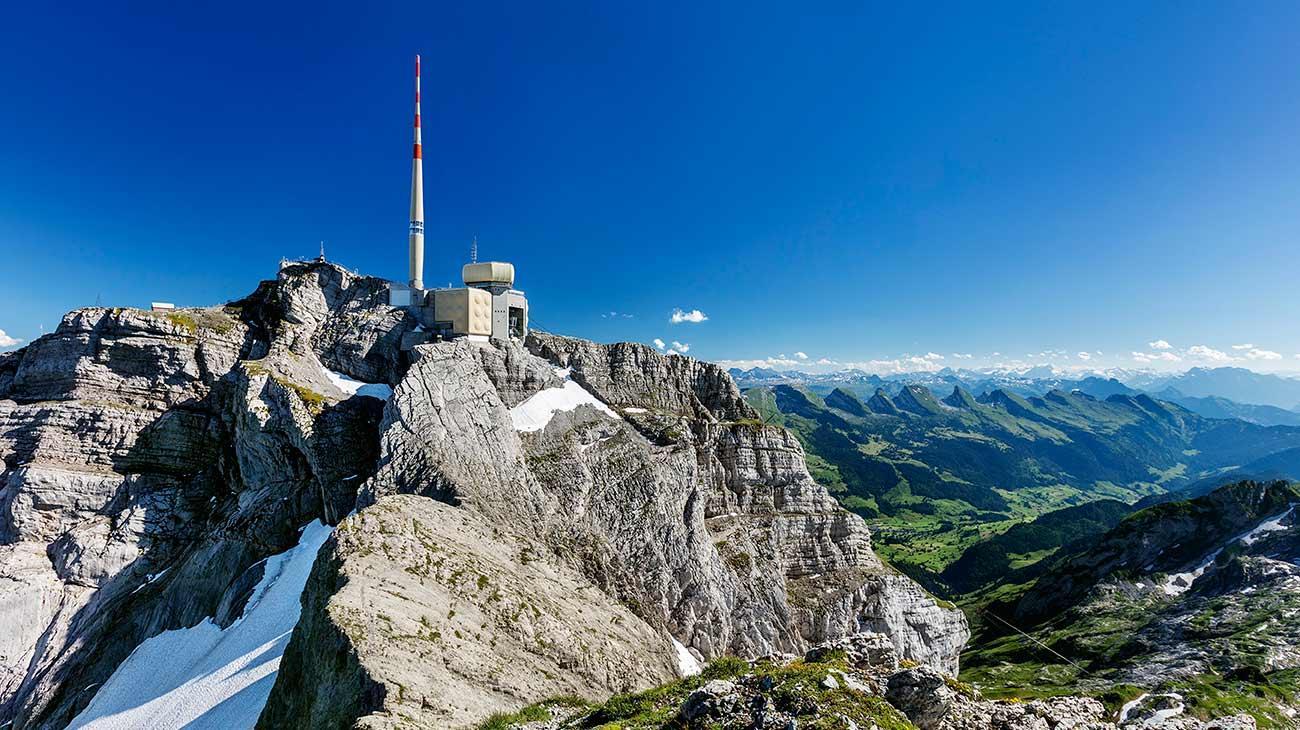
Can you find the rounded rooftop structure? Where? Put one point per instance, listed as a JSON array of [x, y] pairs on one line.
[[489, 272]]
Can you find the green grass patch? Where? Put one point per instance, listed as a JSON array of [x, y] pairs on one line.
[[539, 712]]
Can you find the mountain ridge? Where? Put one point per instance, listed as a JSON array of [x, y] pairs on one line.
[[695, 529]]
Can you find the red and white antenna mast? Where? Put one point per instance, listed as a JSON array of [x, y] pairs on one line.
[[417, 196]]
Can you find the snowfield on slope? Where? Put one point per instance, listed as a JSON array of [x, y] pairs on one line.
[[352, 386], [1179, 583], [204, 676], [534, 413], [1158, 717], [687, 664]]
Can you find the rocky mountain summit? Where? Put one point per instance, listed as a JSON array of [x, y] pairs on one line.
[[510, 522]]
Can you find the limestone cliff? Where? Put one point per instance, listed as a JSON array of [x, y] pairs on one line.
[[152, 461]]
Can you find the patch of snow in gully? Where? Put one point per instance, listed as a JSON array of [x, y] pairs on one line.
[[1159, 716], [1270, 525], [687, 664], [1178, 583], [204, 676], [352, 386], [534, 413]]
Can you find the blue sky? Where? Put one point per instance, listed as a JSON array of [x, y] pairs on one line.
[[856, 182]]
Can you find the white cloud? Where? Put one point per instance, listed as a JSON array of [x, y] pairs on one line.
[[962, 355], [694, 316], [7, 341], [933, 356], [658, 343], [1085, 355], [616, 315], [681, 347], [1246, 346], [1160, 345], [1147, 358], [904, 364], [801, 356], [1201, 352], [1257, 354]]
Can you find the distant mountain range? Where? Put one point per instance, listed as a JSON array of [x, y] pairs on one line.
[[1228, 392]]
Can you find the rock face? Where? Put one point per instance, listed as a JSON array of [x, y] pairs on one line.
[[151, 461], [440, 620], [800, 566], [699, 523]]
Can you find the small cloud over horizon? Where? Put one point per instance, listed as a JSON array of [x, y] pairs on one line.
[[694, 316], [1147, 358], [7, 341]]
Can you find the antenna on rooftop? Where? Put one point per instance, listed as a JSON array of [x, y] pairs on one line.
[[473, 251], [322, 250]]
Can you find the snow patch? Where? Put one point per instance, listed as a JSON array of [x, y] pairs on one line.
[[1159, 716], [1270, 525], [1178, 583], [534, 413], [687, 664], [205, 676], [352, 386]]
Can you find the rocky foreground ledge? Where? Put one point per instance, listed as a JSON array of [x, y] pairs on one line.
[[490, 550], [855, 683]]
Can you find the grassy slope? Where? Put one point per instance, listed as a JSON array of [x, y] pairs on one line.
[[935, 482], [1096, 637], [797, 684]]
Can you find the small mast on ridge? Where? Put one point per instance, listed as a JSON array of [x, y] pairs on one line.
[[417, 197]]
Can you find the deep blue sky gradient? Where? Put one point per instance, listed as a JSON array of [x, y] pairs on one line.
[[858, 182]]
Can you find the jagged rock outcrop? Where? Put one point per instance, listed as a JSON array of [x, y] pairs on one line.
[[627, 374], [682, 507], [847, 402], [438, 618], [961, 398], [153, 460], [882, 404]]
